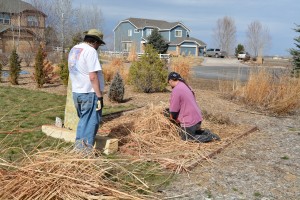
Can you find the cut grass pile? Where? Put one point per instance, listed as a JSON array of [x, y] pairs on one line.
[[71, 175], [148, 135]]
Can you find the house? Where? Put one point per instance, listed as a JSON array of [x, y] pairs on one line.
[[21, 26], [134, 32]]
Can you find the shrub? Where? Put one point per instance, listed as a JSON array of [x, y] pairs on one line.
[[39, 75], [149, 73], [116, 89], [14, 67], [64, 71], [0, 72]]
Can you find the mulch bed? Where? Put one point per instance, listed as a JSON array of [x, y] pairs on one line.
[[147, 134]]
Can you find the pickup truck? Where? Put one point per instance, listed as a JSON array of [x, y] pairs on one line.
[[215, 53]]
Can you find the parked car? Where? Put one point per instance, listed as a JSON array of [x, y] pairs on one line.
[[215, 53], [243, 56]]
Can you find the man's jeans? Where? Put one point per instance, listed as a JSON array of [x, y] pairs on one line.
[[89, 119]]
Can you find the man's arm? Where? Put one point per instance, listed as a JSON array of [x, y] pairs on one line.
[[95, 83]]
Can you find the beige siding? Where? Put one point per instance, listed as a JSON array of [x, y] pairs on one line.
[[25, 40]]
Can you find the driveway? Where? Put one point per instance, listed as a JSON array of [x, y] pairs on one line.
[[226, 69]]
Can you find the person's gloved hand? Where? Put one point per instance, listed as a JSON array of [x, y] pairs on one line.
[[100, 104]]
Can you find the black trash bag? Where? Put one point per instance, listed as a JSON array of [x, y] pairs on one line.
[[205, 135]]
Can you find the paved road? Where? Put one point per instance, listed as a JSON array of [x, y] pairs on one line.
[[225, 69]]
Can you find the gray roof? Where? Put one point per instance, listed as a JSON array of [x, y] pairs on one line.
[[16, 6], [187, 39], [140, 23]]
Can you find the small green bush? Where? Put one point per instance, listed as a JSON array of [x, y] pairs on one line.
[[14, 67], [39, 75], [149, 73], [116, 89], [1, 72], [64, 71]]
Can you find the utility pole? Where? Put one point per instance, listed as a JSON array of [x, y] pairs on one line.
[[63, 35]]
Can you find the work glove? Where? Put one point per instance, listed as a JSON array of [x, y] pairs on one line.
[[100, 104]]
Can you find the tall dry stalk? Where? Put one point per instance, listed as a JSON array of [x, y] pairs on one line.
[[116, 65], [182, 65], [276, 94], [132, 56]]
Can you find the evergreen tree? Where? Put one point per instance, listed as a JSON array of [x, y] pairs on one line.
[[64, 71], [14, 67], [0, 72], [240, 48], [39, 75], [295, 52], [157, 41], [149, 73], [116, 89]]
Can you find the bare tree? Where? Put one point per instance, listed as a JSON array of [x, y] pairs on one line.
[[89, 17], [225, 34], [60, 17], [257, 38], [67, 21]]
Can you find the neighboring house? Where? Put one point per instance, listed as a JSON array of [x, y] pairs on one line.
[[134, 32], [21, 26]]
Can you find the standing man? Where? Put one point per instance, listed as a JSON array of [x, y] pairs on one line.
[[87, 87]]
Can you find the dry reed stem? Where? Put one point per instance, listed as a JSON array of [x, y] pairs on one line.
[[116, 65], [67, 175], [182, 65], [278, 95]]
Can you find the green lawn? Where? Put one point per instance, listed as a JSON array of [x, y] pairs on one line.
[[23, 112]]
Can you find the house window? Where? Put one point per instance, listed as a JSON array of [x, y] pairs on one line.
[[148, 32], [129, 32], [32, 21], [136, 30], [4, 18], [178, 33], [126, 46]]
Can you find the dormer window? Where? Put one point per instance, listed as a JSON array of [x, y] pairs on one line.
[[4, 18], [178, 33], [32, 21]]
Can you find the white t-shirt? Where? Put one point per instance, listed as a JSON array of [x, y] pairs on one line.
[[82, 60]]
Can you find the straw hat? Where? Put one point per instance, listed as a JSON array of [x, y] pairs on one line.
[[94, 33]]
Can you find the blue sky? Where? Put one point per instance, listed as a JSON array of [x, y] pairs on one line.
[[201, 16]]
